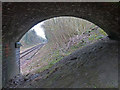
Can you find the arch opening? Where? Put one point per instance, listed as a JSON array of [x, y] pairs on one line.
[[61, 37]]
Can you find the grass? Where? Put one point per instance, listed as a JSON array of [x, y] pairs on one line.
[[56, 55], [52, 59], [51, 54]]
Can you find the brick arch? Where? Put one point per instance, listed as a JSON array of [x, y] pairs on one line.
[[19, 17]]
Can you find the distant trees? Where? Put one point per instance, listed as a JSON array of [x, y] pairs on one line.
[[31, 38]]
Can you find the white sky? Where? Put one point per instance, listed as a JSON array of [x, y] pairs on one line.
[[39, 30]]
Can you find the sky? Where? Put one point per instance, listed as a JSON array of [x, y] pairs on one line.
[[39, 30]]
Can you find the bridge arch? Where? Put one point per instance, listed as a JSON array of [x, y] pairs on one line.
[[18, 18]]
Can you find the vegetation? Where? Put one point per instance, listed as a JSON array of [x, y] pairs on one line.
[[30, 39], [65, 35]]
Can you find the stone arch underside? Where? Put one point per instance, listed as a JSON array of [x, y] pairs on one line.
[[18, 18]]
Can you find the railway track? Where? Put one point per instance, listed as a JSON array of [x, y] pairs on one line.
[[28, 51]]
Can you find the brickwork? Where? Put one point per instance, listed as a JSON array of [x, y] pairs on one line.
[[18, 18]]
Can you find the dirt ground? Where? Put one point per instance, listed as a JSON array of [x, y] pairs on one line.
[[93, 66]]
